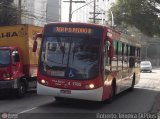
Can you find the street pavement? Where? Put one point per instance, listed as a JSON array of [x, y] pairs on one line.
[[144, 99]]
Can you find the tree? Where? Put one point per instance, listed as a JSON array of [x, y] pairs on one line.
[[142, 14], [8, 13]]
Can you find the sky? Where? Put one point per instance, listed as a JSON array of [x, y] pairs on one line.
[[82, 14]]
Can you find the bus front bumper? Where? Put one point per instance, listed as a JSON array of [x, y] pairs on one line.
[[10, 84], [92, 95]]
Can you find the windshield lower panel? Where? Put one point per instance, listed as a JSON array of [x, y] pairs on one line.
[[4, 58], [70, 57]]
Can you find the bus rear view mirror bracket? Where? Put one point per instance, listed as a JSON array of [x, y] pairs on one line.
[[35, 43]]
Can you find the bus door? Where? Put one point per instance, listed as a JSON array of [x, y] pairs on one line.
[[106, 62]]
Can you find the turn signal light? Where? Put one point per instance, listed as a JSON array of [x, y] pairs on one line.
[[7, 76]]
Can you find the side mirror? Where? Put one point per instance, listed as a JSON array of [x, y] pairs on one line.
[[37, 35], [111, 51], [35, 44], [16, 57]]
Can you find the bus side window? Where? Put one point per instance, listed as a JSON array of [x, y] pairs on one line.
[[137, 57], [124, 56], [114, 59], [106, 55], [132, 57], [119, 56], [127, 55]]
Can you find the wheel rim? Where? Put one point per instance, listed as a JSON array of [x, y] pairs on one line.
[[22, 89]]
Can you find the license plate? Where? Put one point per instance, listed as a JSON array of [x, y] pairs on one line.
[[65, 91]]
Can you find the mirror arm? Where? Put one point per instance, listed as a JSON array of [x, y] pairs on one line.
[[38, 35]]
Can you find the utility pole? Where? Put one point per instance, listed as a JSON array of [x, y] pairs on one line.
[[70, 11], [70, 7], [2, 13], [94, 12], [19, 13]]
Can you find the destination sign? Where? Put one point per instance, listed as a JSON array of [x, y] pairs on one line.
[[73, 30]]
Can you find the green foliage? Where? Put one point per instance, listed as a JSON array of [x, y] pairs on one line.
[[8, 13], [142, 14]]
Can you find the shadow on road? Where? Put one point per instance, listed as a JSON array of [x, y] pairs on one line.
[[9, 95], [139, 100], [76, 104]]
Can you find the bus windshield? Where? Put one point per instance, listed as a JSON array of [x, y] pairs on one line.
[[70, 57], [4, 58]]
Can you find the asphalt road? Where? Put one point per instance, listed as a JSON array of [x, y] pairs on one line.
[[140, 100]]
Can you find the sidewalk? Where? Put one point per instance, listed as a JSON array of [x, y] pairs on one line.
[[156, 105]]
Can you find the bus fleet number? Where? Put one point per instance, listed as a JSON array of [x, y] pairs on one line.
[[76, 84]]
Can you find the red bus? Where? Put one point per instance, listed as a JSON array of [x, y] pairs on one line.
[[86, 61]]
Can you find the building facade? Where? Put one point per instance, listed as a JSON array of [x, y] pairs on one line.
[[53, 11], [39, 12], [26, 7]]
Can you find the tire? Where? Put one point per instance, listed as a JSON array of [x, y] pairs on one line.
[[133, 83], [113, 93], [59, 98], [21, 90]]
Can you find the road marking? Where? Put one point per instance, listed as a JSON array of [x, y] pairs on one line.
[[27, 110]]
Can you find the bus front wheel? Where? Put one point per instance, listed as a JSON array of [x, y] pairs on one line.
[[21, 90], [59, 98], [113, 92]]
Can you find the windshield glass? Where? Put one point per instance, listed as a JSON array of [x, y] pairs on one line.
[[4, 58], [70, 57], [145, 63]]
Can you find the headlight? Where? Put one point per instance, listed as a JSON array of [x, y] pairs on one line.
[[6, 76], [91, 86], [44, 82]]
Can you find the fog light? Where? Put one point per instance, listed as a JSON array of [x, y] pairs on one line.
[[91, 86], [6, 76]]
